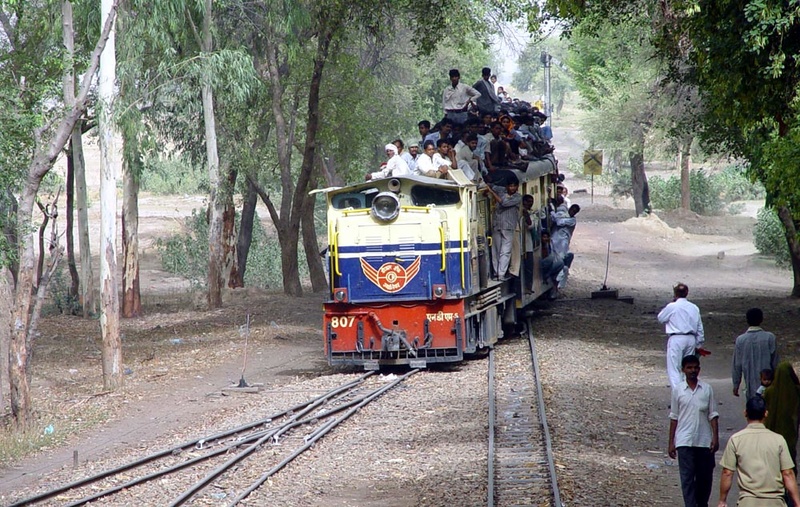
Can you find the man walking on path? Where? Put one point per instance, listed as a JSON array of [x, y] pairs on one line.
[[694, 434], [685, 329], [755, 350], [761, 457]]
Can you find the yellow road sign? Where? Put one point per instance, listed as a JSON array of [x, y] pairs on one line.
[[593, 162]]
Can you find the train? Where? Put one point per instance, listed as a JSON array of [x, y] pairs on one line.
[[409, 267]]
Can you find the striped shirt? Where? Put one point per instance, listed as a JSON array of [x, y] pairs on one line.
[[506, 212]]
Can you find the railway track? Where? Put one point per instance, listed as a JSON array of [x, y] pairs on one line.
[[216, 460], [521, 466]]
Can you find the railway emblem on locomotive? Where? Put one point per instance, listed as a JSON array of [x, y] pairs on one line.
[[391, 277]]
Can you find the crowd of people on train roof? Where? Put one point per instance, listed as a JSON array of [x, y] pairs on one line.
[[482, 131]]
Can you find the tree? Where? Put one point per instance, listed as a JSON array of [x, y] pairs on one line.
[[618, 80], [49, 142], [742, 61]]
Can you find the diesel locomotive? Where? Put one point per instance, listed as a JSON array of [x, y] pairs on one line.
[[409, 269]]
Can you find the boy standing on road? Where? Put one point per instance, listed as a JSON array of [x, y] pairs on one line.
[[694, 433]]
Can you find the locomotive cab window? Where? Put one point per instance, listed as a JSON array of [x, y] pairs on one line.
[[424, 195], [355, 200]]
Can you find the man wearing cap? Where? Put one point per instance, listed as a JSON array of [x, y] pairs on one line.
[[488, 102], [394, 167], [457, 97]]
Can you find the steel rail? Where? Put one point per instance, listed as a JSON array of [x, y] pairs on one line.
[[543, 419], [316, 435], [492, 409], [293, 422], [176, 449]]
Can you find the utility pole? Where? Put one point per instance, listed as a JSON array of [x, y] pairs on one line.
[[548, 105]]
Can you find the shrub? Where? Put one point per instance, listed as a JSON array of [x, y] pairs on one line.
[[769, 237], [173, 176], [706, 193], [186, 254], [736, 186]]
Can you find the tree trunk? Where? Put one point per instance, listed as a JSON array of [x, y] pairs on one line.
[[790, 228], [641, 191], [109, 290], [231, 269], [319, 282], [75, 281], [87, 296], [245, 238], [6, 301], [24, 316], [685, 157], [288, 241], [216, 204], [131, 295]]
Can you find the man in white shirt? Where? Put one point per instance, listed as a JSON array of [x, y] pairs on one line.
[[444, 158], [405, 155], [425, 165], [395, 166], [685, 330], [694, 433], [457, 97]]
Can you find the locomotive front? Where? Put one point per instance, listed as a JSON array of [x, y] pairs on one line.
[[399, 265]]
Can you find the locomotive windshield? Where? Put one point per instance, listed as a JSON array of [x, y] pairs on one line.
[[422, 195], [355, 200]]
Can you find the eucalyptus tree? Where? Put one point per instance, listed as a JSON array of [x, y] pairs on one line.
[[618, 80], [53, 129]]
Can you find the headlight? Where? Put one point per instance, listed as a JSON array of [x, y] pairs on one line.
[[385, 207]]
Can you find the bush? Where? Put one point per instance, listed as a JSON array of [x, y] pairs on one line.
[[186, 254], [736, 186], [769, 237], [710, 192], [706, 191], [173, 176]]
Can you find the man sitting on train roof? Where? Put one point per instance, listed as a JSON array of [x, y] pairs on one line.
[[425, 166], [395, 166], [442, 130], [444, 156], [476, 128], [410, 162], [498, 151], [424, 128], [465, 156]]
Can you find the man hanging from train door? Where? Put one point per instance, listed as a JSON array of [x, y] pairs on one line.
[[505, 221]]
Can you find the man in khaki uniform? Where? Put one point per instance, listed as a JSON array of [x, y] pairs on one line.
[[761, 458]]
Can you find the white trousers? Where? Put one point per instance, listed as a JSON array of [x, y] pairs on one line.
[[678, 347]]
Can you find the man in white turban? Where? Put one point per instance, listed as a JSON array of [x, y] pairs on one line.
[[395, 166]]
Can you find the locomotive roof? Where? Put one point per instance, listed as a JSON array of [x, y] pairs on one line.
[[356, 187]]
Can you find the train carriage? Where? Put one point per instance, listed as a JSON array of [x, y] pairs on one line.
[[409, 270]]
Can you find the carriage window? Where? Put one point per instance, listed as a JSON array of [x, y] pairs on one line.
[[423, 196]]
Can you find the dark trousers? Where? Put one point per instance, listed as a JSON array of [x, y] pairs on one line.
[[696, 465]]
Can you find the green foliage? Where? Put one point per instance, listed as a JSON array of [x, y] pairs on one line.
[[709, 192], [186, 254], [59, 290], [173, 176], [530, 73], [769, 237]]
